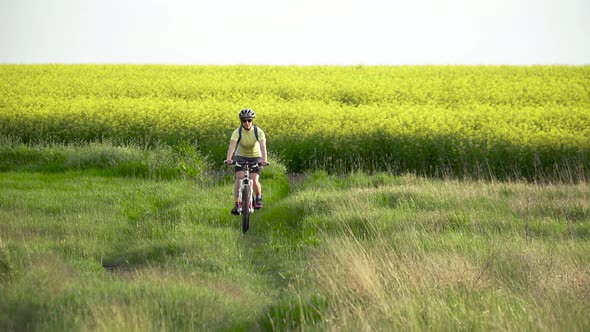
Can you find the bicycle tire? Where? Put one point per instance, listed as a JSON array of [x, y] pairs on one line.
[[246, 201]]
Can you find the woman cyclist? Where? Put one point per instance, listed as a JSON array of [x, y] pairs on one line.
[[248, 142]]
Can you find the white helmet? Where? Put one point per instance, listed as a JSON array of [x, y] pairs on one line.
[[247, 113]]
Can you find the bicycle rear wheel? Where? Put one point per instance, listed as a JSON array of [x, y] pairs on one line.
[[246, 202]]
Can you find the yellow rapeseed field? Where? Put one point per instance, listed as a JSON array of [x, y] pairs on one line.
[[461, 120]]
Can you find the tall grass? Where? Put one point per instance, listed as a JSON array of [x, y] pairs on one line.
[[157, 161], [84, 251], [420, 254]]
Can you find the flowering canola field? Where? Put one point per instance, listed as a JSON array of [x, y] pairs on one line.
[[501, 121]]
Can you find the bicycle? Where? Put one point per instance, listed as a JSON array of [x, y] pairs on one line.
[[246, 193]]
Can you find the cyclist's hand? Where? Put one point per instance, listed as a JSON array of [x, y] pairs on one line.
[[265, 163], [229, 162]]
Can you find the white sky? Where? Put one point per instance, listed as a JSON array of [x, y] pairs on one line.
[[301, 32]]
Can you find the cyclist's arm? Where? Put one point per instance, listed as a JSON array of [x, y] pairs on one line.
[[231, 150], [263, 151]]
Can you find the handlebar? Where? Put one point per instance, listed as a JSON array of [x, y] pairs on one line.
[[249, 164]]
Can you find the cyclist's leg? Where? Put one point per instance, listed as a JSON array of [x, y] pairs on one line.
[[255, 175], [257, 185], [257, 190], [239, 177], [236, 208]]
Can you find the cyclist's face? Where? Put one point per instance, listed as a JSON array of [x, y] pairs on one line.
[[247, 123]]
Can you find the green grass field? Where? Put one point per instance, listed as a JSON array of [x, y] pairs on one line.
[[93, 249]]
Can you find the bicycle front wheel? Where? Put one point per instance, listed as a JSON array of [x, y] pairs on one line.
[[246, 203]]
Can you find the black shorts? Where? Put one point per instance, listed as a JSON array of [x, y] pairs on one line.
[[239, 160]]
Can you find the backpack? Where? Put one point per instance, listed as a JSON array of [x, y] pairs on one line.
[[240, 134]]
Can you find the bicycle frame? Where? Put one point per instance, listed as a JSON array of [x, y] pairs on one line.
[[246, 193], [246, 182]]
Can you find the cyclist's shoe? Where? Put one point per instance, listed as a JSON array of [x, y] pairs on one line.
[[258, 203], [236, 209]]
